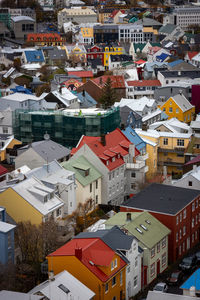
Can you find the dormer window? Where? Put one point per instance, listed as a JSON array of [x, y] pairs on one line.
[[107, 163], [113, 159], [45, 199], [87, 172]]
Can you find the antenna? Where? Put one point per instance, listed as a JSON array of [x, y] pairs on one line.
[[46, 136]]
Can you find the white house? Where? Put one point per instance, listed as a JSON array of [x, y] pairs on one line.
[[190, 180]]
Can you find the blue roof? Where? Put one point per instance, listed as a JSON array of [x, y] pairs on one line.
[[21, 89], [151, 65], [193, 280], [86, 100], [134, 138], [162, 57], [175, 63], [34, 55]]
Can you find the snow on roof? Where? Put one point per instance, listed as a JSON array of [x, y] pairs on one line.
[[173, 124], [151, 115], [20, 97], [5, 227], [22, 18], [157, 134], [136, 104], [182, 102], [149, 142]]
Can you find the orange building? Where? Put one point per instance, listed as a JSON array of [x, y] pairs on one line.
[[45, 39], [93, 263]]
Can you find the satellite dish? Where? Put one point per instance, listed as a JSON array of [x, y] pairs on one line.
[[20, 176], [46, 136]]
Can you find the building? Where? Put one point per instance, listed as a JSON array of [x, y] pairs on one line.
[[106, 33], [129, 117], [130, 33], [63, 286], [21, 26], [62, 181], [14, 295], [152, 237], [65, 127], [45, 39], [177, 208], [184, 17], [78, 15], [116, 61], [88, 181], [94, 52], [33, 56], [127, 247], [115, 156], [170, 77], [179, 107], [39, 153], [191, 285], [139, 88], [7, 142], [191, 179], [34, 201], [155, 295], [7, 245], [63, 97], [95, 264]]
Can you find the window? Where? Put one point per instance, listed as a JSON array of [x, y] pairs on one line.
[[152, 270], [113, 174], [164, 259], [196, 219], [9, 239], [5, 129], [164, 242], [114, 280], [112, 265], [183, 246], [106, 287], [192, 222], [158, 247], [170, 109], [58, 212], [90, 187], [184, 230], [96, 199], [177, 110], [195, 235], [184, 214], [133, 174], [96, 184], [115, 263], [177, 237], [180, 142], [135, 281], [121, 278], [109, 176], [114, 298], [128, 269], [179, 250], [180, 217], [165, 141], [196, 203], [193, 206], [177, 219], [190, 183], [193, 238], [180, 234], [136, 261], [153, 252]]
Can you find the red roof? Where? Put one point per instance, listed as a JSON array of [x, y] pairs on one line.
[[191, 54], [140, 62], [95, 253], [144, 82], [44, 37], [3, 170], [115, 12], [117, 145], [81, 73], [117, 81], [193, 161]]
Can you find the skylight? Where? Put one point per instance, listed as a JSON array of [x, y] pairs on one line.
[[143, 227], [148, 222], [139, 230], [64, 288]]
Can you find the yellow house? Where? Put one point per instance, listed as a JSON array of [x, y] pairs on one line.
[[179, 107], [30, 200], [152, 160], [111, 50], [77, 51], [93, 263], [87, 35], [170, 150], [8, 143]]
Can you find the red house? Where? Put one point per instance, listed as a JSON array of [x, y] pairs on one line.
[[95, 52], [177, 208]]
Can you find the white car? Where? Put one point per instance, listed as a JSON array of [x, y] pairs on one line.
[[161, 287]]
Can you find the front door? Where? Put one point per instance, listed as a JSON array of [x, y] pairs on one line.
[[158, 267]]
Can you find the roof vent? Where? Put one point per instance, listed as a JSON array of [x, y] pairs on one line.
[[91, 262], [148, 222]]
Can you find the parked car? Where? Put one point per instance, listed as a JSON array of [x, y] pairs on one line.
[[198, 257], [188, 264], [175, 278], [161, 287]]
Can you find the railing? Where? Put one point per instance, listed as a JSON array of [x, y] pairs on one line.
[[143, 157], [136, 165]]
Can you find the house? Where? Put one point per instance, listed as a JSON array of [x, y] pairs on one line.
[[191, 164], [7, 142], [55, 56], [77, 52], [86, 35], [7, 245], [138, 49], [94, 52], [168, 77], [189, 55], [139, 88], [116, 157], [171, 32], [38, 153], [8, 295], [88, 180], [171, 125], [191, 179], [179, 107], [34, 201], [129, 117], [33, 56], [115, 61], [191, 285], [63, 286], [111, 49], [45, 39], [63, 97], [95, 86], [54, 176], [177, 208], [170, 150], [106, 34], [127, 247], [151, 69], [95, 264], [84, 75], [22, 25], [152, 237]]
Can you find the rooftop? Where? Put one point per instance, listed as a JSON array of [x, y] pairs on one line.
[[165, 199], [6, 227]]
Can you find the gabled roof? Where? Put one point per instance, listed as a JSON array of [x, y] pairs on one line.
[[39, 37], [95, 254], [134, 138], [182, 102], [167, 29], [144, 226], [117, 81], [192, 281], [82, 164], [193, 161], [148, 82], [191, 54], [166, 199], [34, 55], [115, 143]]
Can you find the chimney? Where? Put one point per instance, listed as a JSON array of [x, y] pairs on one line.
[[192, 291], [51, 275], [194, 167], [78, 253], [128, 217], [103, 139], [122, 126]]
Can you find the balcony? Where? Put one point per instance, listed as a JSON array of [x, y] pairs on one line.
[[175, 150], [143, 157], [137, 165], [170, 162]]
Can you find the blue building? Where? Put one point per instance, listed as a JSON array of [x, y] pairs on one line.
[[7, 246], [134, 138], [192, 284], [130, 118]]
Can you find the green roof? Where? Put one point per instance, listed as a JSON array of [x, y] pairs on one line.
[[79, 166], [155, 230], [140, 46]]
